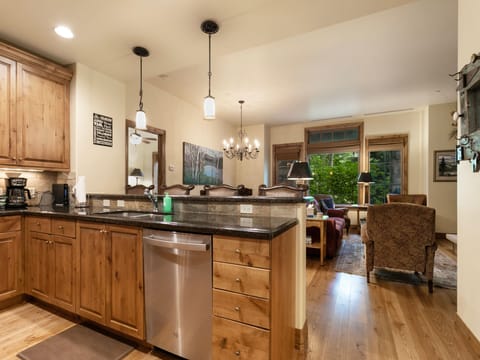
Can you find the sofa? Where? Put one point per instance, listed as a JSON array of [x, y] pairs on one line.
[[335, 226]]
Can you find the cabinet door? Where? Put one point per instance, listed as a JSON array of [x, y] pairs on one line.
[[91, 283], [63, 275], [125, 304], [10, 266], [38, 265], [42, 113], [8, 120]]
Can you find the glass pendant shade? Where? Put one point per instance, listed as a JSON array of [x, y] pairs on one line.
[[141, 120], [209, 108]]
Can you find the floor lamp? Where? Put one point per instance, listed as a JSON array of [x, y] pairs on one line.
[[365, 178]]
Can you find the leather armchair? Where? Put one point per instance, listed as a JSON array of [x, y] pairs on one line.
[[400, 236], [328, 207]]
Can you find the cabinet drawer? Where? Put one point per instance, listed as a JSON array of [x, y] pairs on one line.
[[242, 251], [247, 309], [10, 223], [241, 279], [63, 227], [232, 340], [38, 224]]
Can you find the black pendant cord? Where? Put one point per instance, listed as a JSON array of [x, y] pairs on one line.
[[209, 62], [140, 105]]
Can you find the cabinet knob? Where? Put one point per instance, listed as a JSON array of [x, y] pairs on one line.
[[237, 308], [238, 280], [37, 223], [237, 353], [238, 251], [60, 227]]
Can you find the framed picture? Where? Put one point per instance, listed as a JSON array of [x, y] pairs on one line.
[[445, 165], [201, 165]]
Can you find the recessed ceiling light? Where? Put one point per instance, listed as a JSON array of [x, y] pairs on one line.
[[64, 32]]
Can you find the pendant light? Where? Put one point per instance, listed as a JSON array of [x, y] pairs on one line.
[[209, 27], [140, 117]]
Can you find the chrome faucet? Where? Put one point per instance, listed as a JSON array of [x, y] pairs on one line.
[[153, 198]]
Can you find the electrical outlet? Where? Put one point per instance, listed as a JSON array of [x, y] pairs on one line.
[[106, 202], [121, 203], [246, 208]]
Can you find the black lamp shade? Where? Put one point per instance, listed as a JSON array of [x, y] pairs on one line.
[[300, 170], [136, 172], [365, 177]]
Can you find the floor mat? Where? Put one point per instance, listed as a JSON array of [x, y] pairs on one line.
[[77, 343]]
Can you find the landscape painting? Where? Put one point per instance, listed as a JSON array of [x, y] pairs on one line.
[[201, 165], [445, 164]]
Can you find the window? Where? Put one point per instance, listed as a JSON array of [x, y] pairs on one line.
[[284, 155], [333, 155], [387, 159]]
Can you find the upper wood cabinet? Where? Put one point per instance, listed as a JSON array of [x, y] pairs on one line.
[[34, 111]]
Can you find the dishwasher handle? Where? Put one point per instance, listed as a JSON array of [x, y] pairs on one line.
[[159, 242]]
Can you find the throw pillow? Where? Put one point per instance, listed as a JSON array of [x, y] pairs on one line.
[[326, 204]]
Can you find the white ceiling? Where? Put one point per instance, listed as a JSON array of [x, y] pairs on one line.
[[290, 60]]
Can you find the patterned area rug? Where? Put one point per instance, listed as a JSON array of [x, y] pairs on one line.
[[351, 259]]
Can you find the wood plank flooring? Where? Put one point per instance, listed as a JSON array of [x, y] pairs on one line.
[[347, 319]]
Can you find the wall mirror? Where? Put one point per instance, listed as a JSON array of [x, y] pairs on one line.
[[145, 158]]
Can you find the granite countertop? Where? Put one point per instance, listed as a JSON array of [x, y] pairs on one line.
[[205, 223]]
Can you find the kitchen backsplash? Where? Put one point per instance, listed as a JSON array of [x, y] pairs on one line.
[[38, 182]]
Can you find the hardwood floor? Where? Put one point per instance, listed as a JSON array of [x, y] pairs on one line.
[[347, 319]]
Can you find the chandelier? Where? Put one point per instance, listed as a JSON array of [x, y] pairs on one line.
[[242, 150]]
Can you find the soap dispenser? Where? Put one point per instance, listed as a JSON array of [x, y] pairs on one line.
[[167, 203]]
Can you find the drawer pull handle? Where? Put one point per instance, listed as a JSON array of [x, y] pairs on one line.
[[237, 251], [238, 280], [237, 353], [237, 308]]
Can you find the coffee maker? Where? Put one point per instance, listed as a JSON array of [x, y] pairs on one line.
[[16, 198]]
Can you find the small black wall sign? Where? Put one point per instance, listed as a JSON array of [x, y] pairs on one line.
[[102, 130]]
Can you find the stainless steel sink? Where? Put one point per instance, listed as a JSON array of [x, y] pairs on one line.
[[134, 215]]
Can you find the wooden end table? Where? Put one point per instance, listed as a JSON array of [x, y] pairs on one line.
[[319, 222]]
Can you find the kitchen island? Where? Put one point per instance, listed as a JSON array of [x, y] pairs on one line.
[[89, 262]]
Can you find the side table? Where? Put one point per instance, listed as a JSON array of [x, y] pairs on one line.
[[319, 222]]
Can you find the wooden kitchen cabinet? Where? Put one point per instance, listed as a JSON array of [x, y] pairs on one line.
[[34, 111], [253, 297], [11, 264], [110, 276], [50, 261]]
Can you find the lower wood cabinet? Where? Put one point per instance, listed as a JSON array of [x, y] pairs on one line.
[[253, 297], [11, 255], [50, 260], [110, 276]]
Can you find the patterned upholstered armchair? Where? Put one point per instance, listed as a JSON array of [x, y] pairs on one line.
[[420, 199], [400, 236]]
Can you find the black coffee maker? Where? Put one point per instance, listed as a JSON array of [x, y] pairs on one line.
[[16, 198]]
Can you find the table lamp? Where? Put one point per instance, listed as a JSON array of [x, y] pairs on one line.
[[137, 173], [365, 178]]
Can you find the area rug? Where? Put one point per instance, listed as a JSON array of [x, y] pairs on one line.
[[351, 259], [77, 343]]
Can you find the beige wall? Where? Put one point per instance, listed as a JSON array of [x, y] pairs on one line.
[[441, 195], [182, 121], [104, 167], [468, 190]]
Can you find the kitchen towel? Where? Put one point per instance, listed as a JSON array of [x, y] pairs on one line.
[[80, 191]]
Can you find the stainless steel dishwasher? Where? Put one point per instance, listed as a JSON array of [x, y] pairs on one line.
[[178, 292]]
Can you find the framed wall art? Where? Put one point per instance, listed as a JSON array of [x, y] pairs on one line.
[[445, 165], [201, 165]]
